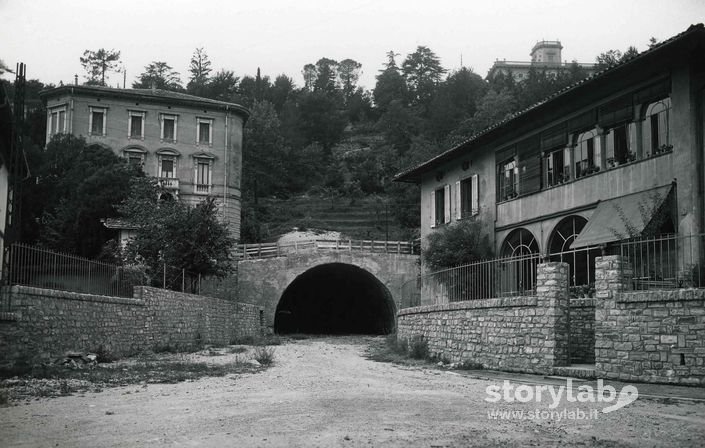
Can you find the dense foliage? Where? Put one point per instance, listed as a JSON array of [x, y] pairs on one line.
[[455, 245]]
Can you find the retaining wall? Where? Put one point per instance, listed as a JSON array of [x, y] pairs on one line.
[[46, 323], [526, 334], [651, 336]]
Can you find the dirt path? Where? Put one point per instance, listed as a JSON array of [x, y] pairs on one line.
[[323, 392]]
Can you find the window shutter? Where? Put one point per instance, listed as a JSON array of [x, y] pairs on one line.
[[617, 111], [446, 200], [433, 209], [475, 195], [458, 201]]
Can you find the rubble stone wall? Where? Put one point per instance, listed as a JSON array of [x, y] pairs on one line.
[[526, 334], [582, 331], [45, 323], [650, 336]]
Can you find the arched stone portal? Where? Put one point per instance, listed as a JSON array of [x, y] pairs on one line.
[[335, 298]]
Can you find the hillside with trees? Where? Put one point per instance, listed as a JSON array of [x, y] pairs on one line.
[[317, 156]]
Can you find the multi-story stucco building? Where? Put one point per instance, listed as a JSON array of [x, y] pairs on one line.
[[192, 145], [592, 163], [545, 56]]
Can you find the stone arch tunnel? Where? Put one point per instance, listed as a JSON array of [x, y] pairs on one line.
[[335, 298], [327, 292]]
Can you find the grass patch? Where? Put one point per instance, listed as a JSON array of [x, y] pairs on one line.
[[264, 355]]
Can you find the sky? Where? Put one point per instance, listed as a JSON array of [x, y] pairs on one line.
[[280, 36]]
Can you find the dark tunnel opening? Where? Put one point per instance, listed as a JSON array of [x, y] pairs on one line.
[[335, 298]]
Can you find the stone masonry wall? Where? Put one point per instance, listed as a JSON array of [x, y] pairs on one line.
[[46, 323], [582, 331], [527, 334], [651, 336]]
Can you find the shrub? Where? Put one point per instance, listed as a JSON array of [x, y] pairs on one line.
[[264, 355], [456, 244], [418, 348], [103, 355]]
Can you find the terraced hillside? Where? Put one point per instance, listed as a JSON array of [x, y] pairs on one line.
[[366, 218]]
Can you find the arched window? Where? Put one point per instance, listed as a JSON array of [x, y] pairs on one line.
[[587, 153], [518, 270], [581, 261], [656, 133], [519, 242]]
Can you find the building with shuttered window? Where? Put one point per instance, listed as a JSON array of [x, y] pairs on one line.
[[192, 145], [587, 166]]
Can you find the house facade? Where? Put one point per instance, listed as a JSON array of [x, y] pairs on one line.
[[192, 145], [595, 163], [546, 55]]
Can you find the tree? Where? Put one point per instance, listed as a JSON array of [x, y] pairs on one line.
[[174, 238], [159, 75], [282, 89], [309, 74], [76, 186], [390, 85], [265, 157], [493, 108], [98, 63], [222, 86], [423, 72], [200, 70], [349, 74], [326, 70], [322, 119]]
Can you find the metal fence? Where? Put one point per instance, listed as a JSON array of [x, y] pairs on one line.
[[666, 262], [271, 250], [42, 268], [497, 277], [31, 266]]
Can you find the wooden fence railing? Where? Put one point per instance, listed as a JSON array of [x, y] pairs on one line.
[[270, 250]]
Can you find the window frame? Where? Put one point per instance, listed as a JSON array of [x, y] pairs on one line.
[[136, 113], [440, 206], [511, 166], [204, 120], [593, 165], [162, 119], [53, 116], [467, 199], [97, 109], [198, 161], [651, 117]]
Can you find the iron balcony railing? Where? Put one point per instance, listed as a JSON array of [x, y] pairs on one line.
[[665, 262]]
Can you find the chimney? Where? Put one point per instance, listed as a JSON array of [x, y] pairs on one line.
[[154, 86], [75, 79]]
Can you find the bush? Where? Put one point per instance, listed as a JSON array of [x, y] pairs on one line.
[[264, 355], [456, 244], [103, 355], [418, 348]]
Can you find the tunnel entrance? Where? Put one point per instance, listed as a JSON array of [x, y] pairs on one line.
[[335, 298]]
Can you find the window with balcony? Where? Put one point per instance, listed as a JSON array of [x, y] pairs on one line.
[[556, 167], [96, 121], [508, 179], [57, 120], [203, 176], [135, 156], [587, 154], [655, 130], [204, 131], [168, 128], [135, 125], [167, 168]]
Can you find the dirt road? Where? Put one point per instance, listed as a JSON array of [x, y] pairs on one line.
[[323, 392]]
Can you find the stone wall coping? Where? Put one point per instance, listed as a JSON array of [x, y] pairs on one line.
[[672, 295], [8, 317], [583, 302], [68, 295], [501, 302]]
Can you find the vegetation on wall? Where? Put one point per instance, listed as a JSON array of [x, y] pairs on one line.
[[456, 244]]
